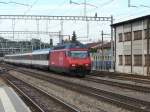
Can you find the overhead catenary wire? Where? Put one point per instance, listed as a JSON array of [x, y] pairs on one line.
[[17, 3], [137, 6], [30, 7], [101, 5], [61, 4]]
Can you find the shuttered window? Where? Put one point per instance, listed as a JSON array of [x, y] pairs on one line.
[[138, 60], [127, 36], [127, 59], [120, 60], [147, 60], [138, 35], [120, 37]]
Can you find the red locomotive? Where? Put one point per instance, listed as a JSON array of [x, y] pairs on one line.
[[72, 58]]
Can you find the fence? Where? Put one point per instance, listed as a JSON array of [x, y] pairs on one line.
[[101, 63]]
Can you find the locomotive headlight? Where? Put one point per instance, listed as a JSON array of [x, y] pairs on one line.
[[86, 64], [73, 65]]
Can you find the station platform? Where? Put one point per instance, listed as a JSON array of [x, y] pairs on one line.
[[10, 101]]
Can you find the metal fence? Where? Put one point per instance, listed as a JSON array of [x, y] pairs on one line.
[[101, 63]]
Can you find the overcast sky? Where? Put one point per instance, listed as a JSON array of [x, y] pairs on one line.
[[118, 8]]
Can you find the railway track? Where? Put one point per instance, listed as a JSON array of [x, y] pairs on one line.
[[118, 83], [41, 100], [121, 76], [134, 104]]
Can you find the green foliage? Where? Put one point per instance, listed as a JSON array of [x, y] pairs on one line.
[[93, 50], [74, 39]]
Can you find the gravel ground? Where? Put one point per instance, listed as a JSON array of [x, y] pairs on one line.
[[83, 102], [122, 91]]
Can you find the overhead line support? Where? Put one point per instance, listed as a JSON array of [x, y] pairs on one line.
[[40, 17]]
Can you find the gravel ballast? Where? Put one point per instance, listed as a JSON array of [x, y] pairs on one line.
[[83, 102]]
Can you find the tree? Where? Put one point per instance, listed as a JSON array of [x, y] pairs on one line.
[[93, 50], [74, 37], [51, 42]]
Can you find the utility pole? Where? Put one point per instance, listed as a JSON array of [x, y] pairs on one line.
[[59, 37], [61, 33], [13, 28], [102, 34], [112, 44], [37, 22], [85, 8], [102, 47], [129, 3], [148, 46], [85, 13]]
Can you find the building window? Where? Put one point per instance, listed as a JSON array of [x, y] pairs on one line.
[[120, 60], [138, 35], [138, 60], [146, 33], [127, 36], [127, 59], [120, 37], [147, 60]]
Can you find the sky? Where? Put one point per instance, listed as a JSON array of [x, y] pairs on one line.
[[117, 8]]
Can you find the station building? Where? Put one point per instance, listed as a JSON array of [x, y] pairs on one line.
[[132, 46]]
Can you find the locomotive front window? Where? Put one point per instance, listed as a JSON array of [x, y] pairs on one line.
[[78, 54]]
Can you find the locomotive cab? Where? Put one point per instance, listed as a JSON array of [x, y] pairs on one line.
[[79, 60], [72, 58]]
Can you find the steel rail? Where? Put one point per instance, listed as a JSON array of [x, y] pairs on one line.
[[130, 77], [38, 109], [119, 84], [117, 99], [69, 107]]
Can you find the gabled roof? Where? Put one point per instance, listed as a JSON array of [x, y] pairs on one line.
[[131, 20]]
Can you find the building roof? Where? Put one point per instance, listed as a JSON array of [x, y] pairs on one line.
[[93, 45], [105, 46], [131, 20], [98, 45]]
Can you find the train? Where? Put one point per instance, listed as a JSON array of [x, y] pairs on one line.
[[70, 58]]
